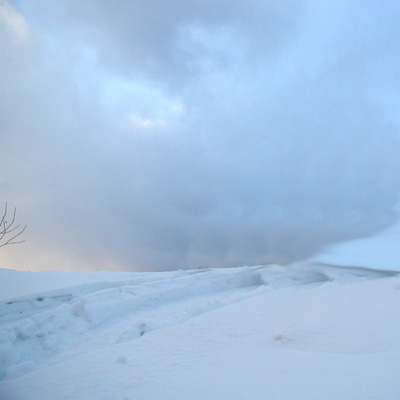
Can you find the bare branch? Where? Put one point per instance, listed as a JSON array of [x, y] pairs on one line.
[[7, 228], [10, 241], [4, 216]]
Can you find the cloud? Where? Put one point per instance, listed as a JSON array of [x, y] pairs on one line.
[[176, 135], [13, 24]]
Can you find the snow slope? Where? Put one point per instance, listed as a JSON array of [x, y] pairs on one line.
[[266, 332]]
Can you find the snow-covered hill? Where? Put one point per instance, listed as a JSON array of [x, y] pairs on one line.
[[267, 332]]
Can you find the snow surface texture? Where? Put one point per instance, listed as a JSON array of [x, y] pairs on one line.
[[267, 332]]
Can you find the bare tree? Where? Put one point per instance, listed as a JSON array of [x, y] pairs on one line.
[[9, 231]]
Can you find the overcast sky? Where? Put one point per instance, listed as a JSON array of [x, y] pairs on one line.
[[151, 135]]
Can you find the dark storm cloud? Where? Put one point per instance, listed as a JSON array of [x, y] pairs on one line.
[[155, 135], [174, 41]]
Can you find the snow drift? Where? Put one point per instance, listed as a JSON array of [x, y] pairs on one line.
[[304, 331]]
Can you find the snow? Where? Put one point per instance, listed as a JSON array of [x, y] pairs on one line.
[[305, 331], [20, 283]]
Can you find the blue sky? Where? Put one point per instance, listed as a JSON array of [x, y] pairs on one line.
[[157, 135]]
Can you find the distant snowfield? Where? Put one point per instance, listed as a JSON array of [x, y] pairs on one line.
[[267, 332]]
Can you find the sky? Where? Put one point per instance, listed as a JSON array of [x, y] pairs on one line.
[[156, 135]]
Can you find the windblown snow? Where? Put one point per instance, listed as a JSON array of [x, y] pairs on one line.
[[250, 333]]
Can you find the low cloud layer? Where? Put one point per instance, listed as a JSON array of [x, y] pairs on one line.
[[158, 135]]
